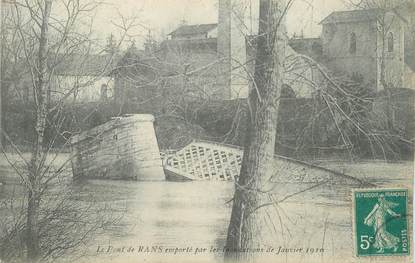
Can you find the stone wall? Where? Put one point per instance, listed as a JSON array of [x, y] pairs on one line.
[[371, 49], [122, 148], [336, 48]]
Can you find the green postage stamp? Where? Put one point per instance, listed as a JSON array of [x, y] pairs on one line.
[[380, 222]]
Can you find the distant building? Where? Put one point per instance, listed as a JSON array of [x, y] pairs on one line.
[[217, 61], [185, 66], [191, 60], [202, 31], [87, 77], [192, 49], [202, 54], [368, 42], [74, 78]]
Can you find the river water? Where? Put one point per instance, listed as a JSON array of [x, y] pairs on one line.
[[167, 214], [191, 218]]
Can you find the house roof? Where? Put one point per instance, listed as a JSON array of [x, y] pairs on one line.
[[352, 16], [186, 30], [85, 65]]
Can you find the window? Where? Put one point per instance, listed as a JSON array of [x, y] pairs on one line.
[[352, 47], [390, 42], [104, 92]]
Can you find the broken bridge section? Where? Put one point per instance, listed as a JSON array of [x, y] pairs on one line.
[[123, 148], [204, 160]]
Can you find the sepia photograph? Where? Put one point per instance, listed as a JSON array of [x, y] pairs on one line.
[[207, 131]]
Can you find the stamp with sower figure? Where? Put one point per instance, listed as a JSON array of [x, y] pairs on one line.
[[380, 222]]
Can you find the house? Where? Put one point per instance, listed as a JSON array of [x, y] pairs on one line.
[[195, 45], [368, 42], [75, 78], [83, 78], [184, 65], [201, 31], [192, 49]]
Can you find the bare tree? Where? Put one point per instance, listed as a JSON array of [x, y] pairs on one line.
[[245, 230], [43, 42], [32, 241], [348, 109]]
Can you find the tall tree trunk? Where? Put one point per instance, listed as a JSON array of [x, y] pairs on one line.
[[247, 228], [41, 86]]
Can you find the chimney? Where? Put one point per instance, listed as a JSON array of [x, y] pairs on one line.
[[224, 48], [232, 48]]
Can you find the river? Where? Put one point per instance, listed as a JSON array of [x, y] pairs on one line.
[[191, 218]]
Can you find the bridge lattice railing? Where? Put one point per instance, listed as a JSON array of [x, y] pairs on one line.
[[207, 161]]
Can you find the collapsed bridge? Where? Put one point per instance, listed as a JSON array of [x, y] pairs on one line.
[[205, 160]]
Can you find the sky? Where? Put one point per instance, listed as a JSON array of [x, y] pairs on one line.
[[163, 16]]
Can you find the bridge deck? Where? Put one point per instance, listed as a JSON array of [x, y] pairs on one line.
[[204, 160]]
